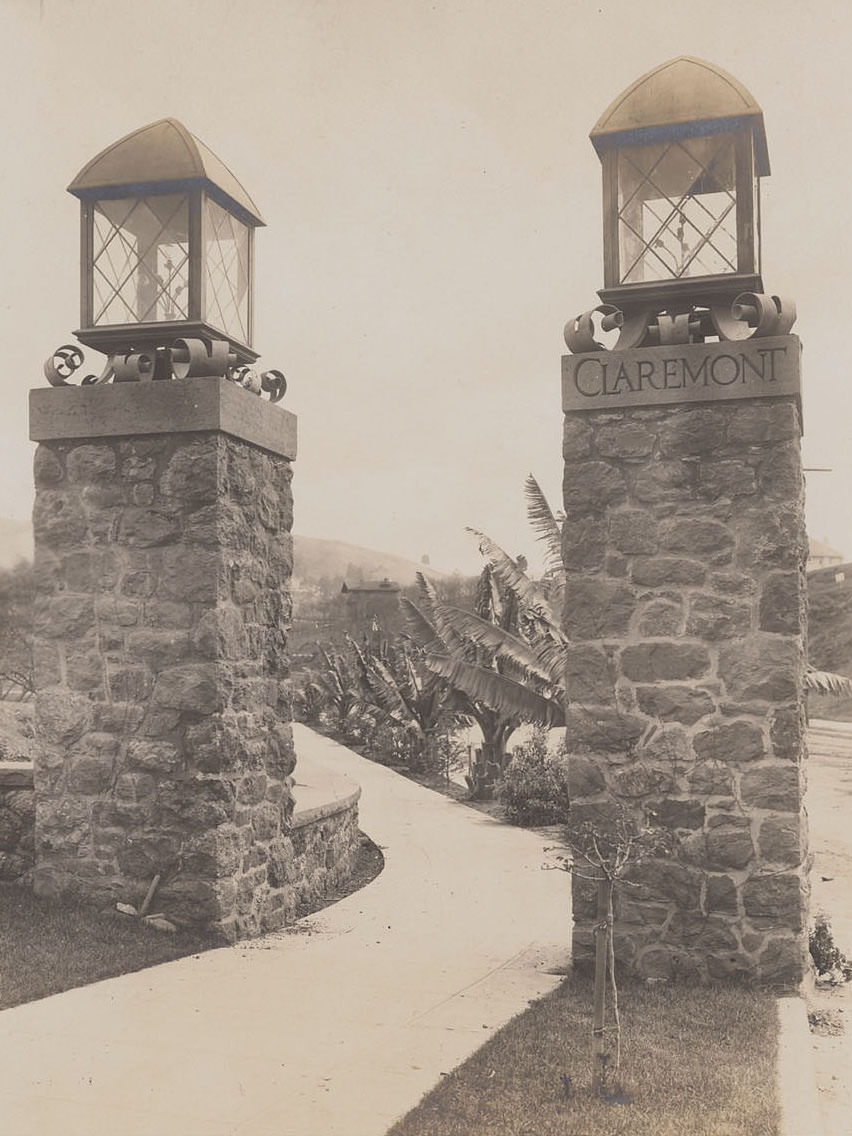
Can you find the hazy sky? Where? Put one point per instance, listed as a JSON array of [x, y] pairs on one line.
[[433, 211]]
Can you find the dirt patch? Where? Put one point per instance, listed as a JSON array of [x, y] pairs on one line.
[[439, 784], [553, 833], [827, 1023]]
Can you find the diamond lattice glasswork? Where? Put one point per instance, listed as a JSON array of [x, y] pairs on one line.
[[677, 209], [140, 259], [227, 272]]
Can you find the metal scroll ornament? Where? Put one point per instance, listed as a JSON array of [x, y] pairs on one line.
[[185, 359], [751, 316]]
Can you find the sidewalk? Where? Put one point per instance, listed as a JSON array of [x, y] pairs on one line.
[[829, 805], [334, 1027]]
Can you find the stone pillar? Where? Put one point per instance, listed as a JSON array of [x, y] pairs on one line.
[[163, 558], [685, 549]]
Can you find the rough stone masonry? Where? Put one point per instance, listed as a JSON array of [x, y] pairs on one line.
[[685, 548], [163, 556]]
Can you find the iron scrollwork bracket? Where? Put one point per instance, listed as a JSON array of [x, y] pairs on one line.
[[184, 359], [752, 315], [580, 332]]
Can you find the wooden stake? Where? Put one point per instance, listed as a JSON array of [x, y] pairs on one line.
[[146, 902], [599, 1019]]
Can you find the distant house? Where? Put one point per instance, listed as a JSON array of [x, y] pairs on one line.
[[822, 555], [372, 607]]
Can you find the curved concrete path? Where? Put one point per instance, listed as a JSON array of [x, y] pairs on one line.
[[335, 1027], [829, 805]]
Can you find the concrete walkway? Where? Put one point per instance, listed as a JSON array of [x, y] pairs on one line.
[[333, 1028], [829, 805]]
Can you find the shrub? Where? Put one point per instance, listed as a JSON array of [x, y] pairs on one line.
[[828, 958], [387, 745], [308, 703], [447, 752], [534, 786], [17, 740]]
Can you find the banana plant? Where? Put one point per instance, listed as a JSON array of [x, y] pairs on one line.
[[407, 694], [507, 659], [504, 660], [335, 686]]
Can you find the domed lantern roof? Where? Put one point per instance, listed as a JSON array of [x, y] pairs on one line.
[[167, 249], [682, 151], [681, 98], [161, 157]]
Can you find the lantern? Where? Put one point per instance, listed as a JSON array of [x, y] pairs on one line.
[[167, 246], [682, 151]]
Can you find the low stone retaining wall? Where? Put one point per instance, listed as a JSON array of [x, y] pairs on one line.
[[17, 814], [324, 832], [324, 835]]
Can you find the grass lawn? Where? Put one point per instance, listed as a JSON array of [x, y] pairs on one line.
[[695, 1060], [46, 948], [49, 947]]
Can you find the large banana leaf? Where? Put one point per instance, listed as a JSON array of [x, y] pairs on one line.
[[433, 609], [420, 629], [531, 598], [504, 645], [412, 678], [389, 697], [332, 676], [487, 604], [497, 691], [550, 652], [826, 682]]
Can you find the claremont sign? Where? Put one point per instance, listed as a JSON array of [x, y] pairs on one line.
[[698, 372]]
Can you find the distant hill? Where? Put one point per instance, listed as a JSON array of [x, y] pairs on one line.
[[16, 542], [829, 622], [314, 559]]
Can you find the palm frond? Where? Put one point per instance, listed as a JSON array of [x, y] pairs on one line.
[[434, 611], [404, 666], [504, 645], [827, 682], [531, 598], [497, 691], [551, 655], [389, 698], [422, 632], [547, 527], [331, 675], [360, 656], [487, 601]]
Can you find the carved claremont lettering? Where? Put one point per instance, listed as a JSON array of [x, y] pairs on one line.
[[698, 372], [594, 377]]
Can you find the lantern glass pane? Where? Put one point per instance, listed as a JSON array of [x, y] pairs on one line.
[[677, 209], [140, 259], [227, 272]]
